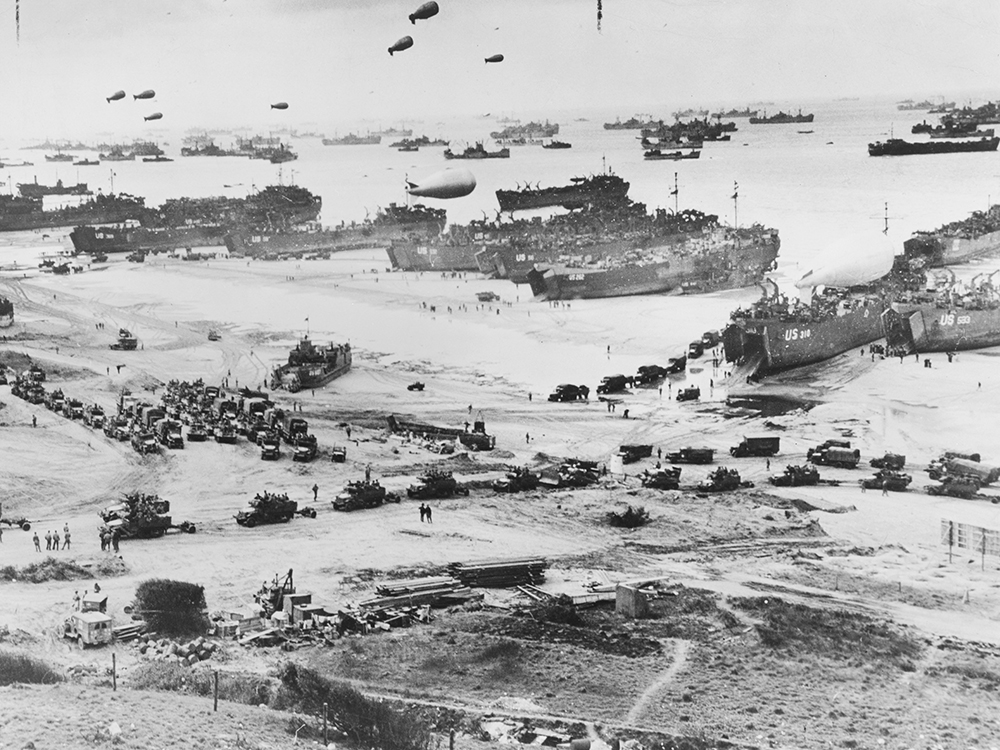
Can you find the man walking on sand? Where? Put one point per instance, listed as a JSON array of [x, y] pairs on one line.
[[315, 492], [423, 512], [427, 511]]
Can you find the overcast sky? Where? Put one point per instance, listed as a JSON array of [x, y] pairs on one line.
[[222, 62]]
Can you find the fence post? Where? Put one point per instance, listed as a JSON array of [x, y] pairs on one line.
[[951, 538], [114, 674], [984, 549], [325, 739], [215, 691]]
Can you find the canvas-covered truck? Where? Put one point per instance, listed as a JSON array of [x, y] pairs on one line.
[[757, 446], [305, 448], [168, 433], [690, 455], [844, 458]]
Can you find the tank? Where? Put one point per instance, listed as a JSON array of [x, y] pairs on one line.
[[723, 480], [887, 479], [435, 484]]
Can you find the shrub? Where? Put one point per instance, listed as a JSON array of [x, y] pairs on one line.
[[365, 721], [559, 610], [630, 518], [251, 689], [172, 607], [18, 667]]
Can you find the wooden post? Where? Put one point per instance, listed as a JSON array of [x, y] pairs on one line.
[[984, 549], [114, 674], [325, 709], [215, 690], [951, 538]]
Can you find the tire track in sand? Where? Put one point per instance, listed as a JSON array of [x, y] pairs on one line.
[[665, 678]]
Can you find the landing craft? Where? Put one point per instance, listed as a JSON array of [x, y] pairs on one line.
[[116, 96], [494, 58], [448, 183], [424, 12], [405, 43], [147, 94], [280, 105], [154, 116]]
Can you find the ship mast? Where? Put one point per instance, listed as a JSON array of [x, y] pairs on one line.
[[675, 192], [736, 204]]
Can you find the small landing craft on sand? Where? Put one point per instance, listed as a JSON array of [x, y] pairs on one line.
[[309, 366]]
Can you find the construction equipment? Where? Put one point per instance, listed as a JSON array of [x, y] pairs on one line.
[[691, 393], [305, 448], [893, 461], [887, 479], [271, 508], [519, 480], [168, 433], [271, 596], [631, 453], [796, 476], [667, 478], [756, 446], [691, 456], [434, 485], [723, 480], [126, 341], [363, 494]]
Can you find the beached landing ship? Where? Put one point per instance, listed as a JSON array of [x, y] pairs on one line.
[[18, 213], [950, 319], [601, 188], [713, 258], [311, 367], [958, 241], [899, 147]]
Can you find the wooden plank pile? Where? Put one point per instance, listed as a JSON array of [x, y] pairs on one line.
[[500, 574], [437, 591]]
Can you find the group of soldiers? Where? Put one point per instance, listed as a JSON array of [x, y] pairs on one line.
[[109, 539], [53, 542]]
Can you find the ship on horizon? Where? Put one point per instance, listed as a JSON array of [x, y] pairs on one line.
[[782, 118], [352, 139], [899, 147]]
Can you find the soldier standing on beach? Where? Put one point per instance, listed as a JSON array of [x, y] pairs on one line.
[[38, 544]]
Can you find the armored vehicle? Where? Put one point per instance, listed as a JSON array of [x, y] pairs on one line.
[[691, 456], [435, 484], [887, 479], [963, 487], [142, 516], [93, 416], [144, 442], [667, 478], [72, 408], [632, 453], [271, 508], [54, 400], [892, 461], [723, 480], [366, 494], [126, 341], [197, 433], [796, 476], [519, 480]]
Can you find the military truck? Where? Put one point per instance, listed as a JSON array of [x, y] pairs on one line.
[[723, 480], [270, 447], [631, 453], [887, 479], [691, 393], [305, 448], [142, 516], [677, 365], [435, 485], [963, 487], [338, 454], [756, 446], [271, 508], [168, 433], [126, 341], [695, 349], [893, 461], [963, 467], [796, 476], [519, 480], [363, 494], [54, 400], [666, 478], [691, 456], [649, 374], [117, 428], [93, 416], [569, 392], [89, 628], [144, 442], [614, 384], [828, 454], [72, 408], [710, 339]]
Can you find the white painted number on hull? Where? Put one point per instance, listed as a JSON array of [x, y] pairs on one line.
[[950, 319], [795, 334]]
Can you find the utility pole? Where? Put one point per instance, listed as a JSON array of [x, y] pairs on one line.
[[736, 204], [675, 192]]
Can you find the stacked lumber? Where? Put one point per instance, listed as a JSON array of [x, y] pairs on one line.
[[128, 632], [437, 591], [500, 573]]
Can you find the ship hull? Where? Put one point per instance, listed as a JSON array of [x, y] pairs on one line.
[[570, 196], [416, 257], [942, 250], [897, 147], [773, 345], [90, 240], [928, 328], [16, 221], [685, 273]]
